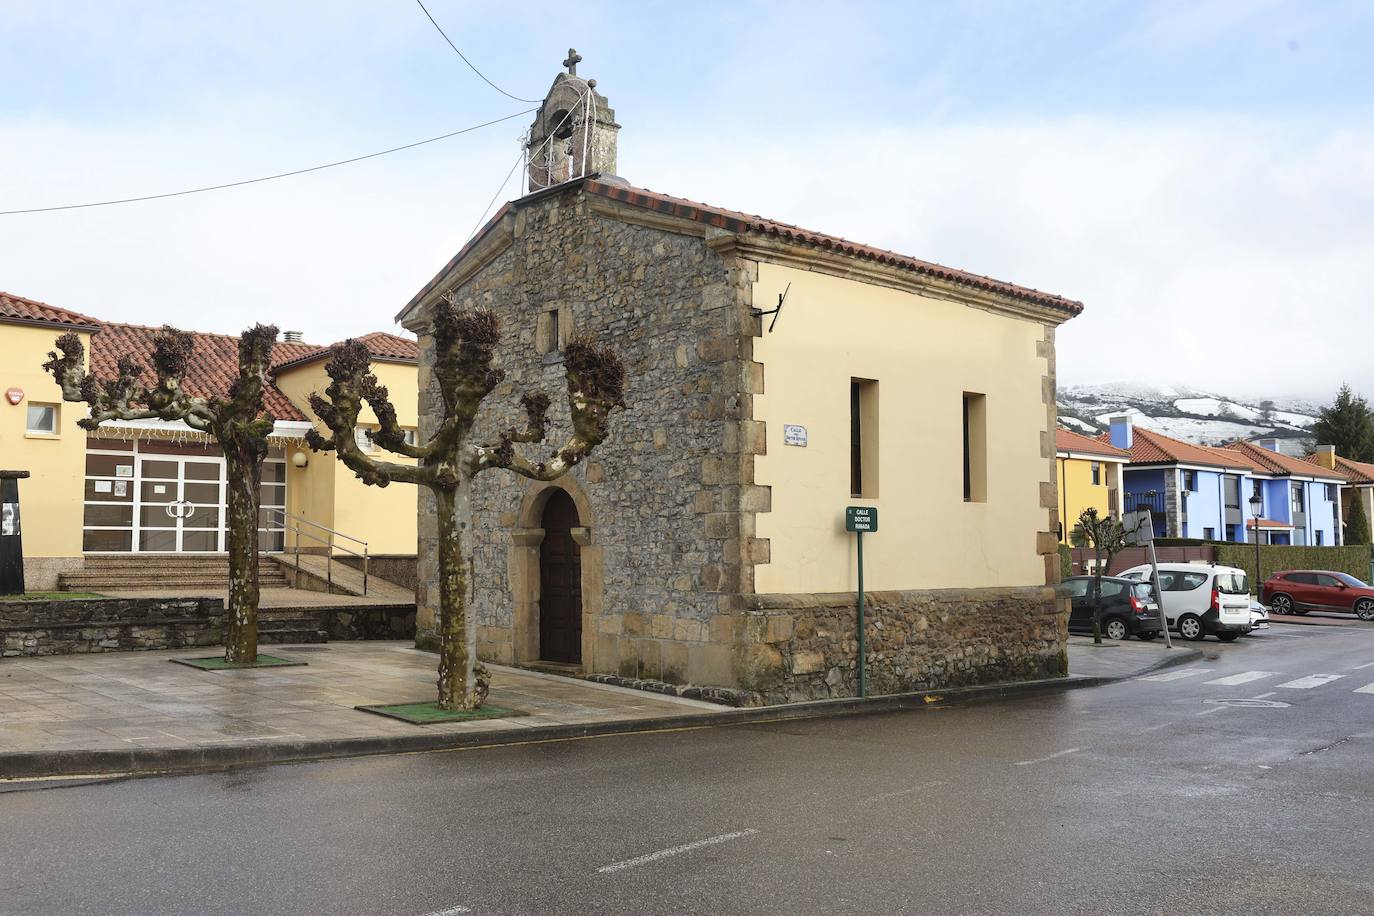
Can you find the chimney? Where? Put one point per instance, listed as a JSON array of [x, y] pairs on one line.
[[1123, 431], [1268, 442], [293, 337], [574, 133], [1326, 456]]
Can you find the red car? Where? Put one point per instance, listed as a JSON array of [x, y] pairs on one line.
[[1318, 590]]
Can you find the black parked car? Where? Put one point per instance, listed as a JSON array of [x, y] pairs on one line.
[[1128, 607]]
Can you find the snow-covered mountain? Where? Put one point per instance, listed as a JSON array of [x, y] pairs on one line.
[[1203, 417]]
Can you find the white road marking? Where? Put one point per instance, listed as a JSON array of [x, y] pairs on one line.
[[1213, 709], [1171, 675], [1312, 680], [1264, 696], [1365, 665], [1243, 678], [451, 911], [675, 851], [1367, 688], [1026, 763]]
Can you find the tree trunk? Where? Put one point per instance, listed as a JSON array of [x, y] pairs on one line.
[[243, 483], [457, 640]]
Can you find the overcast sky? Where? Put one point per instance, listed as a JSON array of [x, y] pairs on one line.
[[1201, 175]]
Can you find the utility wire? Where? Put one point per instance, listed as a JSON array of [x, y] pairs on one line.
[[247, 181], [469, 63]]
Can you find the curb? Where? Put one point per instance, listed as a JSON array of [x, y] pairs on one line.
[[184, 760]]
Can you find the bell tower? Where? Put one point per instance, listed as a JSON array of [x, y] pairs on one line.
[[573, 133]]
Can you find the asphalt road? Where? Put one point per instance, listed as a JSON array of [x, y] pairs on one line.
[[1147, 796]]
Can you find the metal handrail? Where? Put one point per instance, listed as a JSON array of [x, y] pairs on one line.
[[328, 541]]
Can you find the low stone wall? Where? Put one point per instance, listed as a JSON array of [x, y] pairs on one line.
[[804, 647], [109, 625], [385, 621], [396, 568]]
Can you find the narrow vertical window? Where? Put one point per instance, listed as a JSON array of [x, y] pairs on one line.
[[1097, 474], [975, 448], [863, 438]]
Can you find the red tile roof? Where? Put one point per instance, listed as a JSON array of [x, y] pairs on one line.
[[383, 346], [30, 311], [745, 223], [1272, 462], [1269, 523], [1357, 472], [1066, 440], [1149, 447], [213, 368]]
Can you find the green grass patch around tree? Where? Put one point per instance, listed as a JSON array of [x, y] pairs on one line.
[[218, 663], [51, 596], [430, 713]]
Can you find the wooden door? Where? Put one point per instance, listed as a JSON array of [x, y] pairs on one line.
[[560, 583]]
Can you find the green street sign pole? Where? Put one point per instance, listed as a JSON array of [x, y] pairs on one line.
[[863, 679], [859, 519]]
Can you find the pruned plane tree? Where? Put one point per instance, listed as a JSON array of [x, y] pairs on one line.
[[464, 348], [238, 422]]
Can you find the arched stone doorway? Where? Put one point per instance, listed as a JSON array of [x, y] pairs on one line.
[[560, 583], [526, 562]]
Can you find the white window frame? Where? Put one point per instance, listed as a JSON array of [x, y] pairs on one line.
[[56, 430]]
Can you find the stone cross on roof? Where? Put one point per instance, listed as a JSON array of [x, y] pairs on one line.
[[573, 60]]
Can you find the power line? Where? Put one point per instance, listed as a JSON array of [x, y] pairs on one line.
[[247, 181], [469, 63]]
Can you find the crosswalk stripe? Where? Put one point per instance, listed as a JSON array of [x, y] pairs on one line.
[[1367, 688], [1171, 675], [1243, 678], [1312, 680]]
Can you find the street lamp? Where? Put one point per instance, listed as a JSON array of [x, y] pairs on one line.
[[1257, 509]]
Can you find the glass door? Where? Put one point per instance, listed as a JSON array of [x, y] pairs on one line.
[[180, 502]]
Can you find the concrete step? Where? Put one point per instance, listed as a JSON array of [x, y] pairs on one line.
[[78, 581]]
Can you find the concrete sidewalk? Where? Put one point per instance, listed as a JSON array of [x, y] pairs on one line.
[[123, 712]]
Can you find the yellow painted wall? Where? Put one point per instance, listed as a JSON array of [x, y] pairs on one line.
[[51, 499], [924, 353], [326, 492], [1076, 490]]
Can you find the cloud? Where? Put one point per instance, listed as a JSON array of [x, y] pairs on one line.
[[1219, 252]]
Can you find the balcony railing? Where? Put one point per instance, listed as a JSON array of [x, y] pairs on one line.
[[1152, 501]]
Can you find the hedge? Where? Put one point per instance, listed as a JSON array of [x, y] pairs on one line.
[[1065, 561], [1278, 557]]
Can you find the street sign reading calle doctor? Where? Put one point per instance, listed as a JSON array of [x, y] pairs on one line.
[[860, 518]]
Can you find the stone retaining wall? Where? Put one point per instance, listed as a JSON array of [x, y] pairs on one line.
[[804, 647], [386, 621], [109, 625]]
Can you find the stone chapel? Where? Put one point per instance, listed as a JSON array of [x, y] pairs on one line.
[[775, 377]]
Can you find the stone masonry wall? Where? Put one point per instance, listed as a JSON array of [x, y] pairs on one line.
[[109, 625], [660, 488], [802, 647]]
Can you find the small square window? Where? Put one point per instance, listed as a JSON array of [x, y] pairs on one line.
[[412, 436], [1097, 474], [360, 435], [42, 419]]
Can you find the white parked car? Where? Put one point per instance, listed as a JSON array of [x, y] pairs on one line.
[[1201, 599], [1259, 616]]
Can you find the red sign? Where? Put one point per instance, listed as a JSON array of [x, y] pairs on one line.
[[15, 395]]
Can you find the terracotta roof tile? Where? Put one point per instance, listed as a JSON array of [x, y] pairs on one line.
[[214, 362], [735, 221], [1066, 440], [1149, 447], [380, 345], [30, 311], [1357, 472], [1273, 462]]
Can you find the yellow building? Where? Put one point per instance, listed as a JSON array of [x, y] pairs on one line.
[[1090, 475], [151, 487]]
